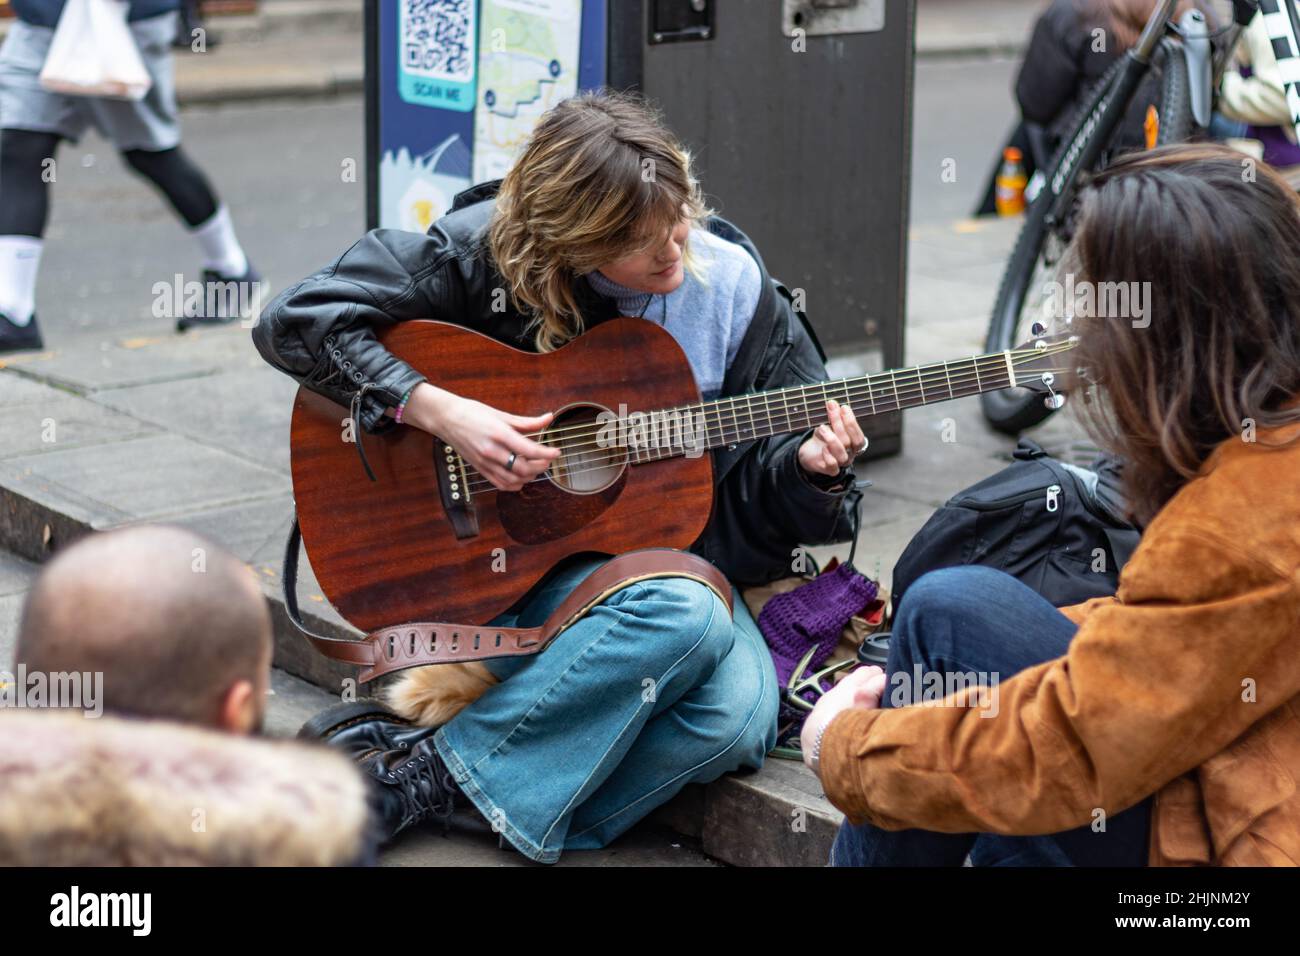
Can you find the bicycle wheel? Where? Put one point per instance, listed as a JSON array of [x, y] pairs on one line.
[[1023, 297]]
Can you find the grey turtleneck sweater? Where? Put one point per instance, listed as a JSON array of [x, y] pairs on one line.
[[707, 314]]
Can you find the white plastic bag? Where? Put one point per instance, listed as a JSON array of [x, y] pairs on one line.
[[93, 53]]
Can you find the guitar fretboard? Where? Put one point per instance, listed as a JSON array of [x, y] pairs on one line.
[[691, 430], [729, 421]]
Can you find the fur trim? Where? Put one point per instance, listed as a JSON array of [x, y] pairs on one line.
[[76, 791], [431, 696]]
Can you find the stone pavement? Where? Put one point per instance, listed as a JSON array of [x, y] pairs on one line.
[[193, 429]]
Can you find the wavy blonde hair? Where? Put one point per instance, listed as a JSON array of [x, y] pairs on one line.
[[601, 178]]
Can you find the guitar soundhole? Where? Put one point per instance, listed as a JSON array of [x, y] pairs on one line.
[[583, 482], [592, 455]]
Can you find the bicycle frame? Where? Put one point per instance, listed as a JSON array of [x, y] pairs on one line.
[[1092, 139]]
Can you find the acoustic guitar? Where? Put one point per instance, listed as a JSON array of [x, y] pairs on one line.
[[433, 540]]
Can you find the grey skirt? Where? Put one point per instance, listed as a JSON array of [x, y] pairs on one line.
[[149, 123]]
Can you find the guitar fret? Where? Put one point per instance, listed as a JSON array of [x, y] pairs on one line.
[[796, 406]]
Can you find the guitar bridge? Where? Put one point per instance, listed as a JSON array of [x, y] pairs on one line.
[[453, 488]]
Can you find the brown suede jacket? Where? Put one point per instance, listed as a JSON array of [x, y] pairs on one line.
[[1185, 685]]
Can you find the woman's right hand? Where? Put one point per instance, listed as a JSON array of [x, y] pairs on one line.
[[483, 435]]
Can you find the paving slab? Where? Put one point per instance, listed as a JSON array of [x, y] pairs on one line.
[[126, 361], [151, 477], [951, 28], [55, 420], [244, 411]]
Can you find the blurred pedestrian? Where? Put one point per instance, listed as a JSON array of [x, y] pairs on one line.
[[174, 623], [164, 639], [1073, 44], [1253, 99], [34, 120]]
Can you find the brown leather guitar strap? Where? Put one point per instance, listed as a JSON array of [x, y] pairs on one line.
[[415, 645]]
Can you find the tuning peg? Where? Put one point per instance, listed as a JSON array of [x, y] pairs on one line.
[[1037, 329], [1054, 399]]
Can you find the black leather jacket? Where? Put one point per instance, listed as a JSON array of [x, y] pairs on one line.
[[322, 333]]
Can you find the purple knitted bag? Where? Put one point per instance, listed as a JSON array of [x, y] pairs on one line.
[[812, 615]]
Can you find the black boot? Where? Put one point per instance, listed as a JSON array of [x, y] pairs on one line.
[[412, 786], [381, 741], [363, 725], [17, 338], [226, 299]]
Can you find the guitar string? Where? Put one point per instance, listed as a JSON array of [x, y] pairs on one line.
[[906, 390], [910, 388], [779, 398], [477, 483], [480, 484], [1019, 356]]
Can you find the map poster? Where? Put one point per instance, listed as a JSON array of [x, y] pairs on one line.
[[456, 86], [528, 62]]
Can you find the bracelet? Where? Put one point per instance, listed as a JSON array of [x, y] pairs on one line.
[[815, 758], [401, 406]]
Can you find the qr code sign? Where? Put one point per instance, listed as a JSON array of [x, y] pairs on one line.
[[438, 38]]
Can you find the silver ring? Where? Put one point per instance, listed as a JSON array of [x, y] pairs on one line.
[[510, 462], [865, 443]]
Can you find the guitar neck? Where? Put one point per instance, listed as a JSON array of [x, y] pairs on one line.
[[733, 420]]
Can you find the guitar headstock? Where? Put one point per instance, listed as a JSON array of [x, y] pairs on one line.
[[1046, 364]]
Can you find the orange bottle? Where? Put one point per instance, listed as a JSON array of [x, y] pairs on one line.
[[1009, 188]]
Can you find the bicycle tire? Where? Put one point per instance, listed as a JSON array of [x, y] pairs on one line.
[[1013, 410]]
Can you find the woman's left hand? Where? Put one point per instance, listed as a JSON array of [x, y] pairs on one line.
[[834, 445]]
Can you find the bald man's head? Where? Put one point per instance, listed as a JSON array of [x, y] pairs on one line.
[[176, 625]]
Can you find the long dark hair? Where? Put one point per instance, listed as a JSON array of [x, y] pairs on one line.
[[1217, 237]]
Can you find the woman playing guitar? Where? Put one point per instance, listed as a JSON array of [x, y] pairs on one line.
[[658, 686]]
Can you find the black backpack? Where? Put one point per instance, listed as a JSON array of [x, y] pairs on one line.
[[1055, 528]]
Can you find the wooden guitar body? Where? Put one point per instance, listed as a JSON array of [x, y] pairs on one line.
[[385, 552]]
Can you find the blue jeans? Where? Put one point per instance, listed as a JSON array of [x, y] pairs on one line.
[[655, 688], [976, 619]]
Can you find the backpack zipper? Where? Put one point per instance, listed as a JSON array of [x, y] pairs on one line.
[[1053, 497]]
